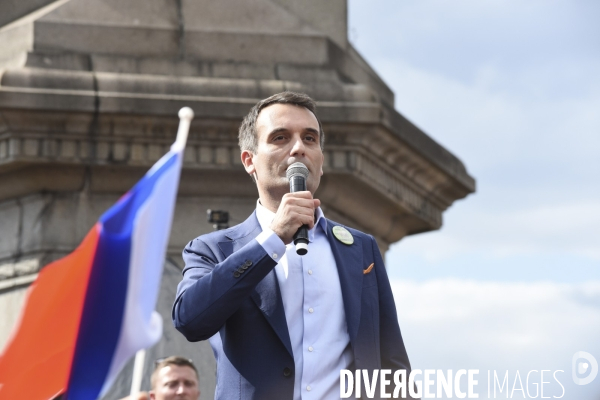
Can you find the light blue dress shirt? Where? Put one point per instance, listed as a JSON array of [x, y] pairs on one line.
[[314, 308]]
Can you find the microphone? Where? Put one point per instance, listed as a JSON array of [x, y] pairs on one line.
[[297, 173]]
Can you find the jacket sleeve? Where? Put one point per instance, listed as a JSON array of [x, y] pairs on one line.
[[212, 291]]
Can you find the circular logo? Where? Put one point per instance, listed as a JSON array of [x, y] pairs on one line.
[[585, 368], [343, 235]]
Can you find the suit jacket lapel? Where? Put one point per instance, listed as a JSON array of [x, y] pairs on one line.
[[349, 261], [266, 295]]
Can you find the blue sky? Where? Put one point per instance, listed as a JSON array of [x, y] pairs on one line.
[[512, 280], [513, 89]]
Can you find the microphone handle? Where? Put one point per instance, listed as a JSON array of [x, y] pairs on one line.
[[301, 240], [298, 184]]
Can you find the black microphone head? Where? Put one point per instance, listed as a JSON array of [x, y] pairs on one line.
[[296, 169]]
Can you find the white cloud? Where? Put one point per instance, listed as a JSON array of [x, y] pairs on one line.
[[455, 324], [543, 229], [514, 127]]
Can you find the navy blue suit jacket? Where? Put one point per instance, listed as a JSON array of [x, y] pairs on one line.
[[230, 295]]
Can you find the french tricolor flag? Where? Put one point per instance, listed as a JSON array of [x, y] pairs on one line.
[[88, 313]]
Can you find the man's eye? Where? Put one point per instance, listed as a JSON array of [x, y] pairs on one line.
[[311, 138], [280, 137]]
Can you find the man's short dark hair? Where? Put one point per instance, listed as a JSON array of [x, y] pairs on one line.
[[248, 136], [173, 360]]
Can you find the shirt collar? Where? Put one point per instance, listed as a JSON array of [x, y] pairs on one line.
[[265, 217]]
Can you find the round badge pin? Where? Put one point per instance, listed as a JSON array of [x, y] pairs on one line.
[[343, 235]]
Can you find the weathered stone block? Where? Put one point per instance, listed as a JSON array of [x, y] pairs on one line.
[[79, 38], [48, 79], [339, 159], [14, 147], [155, 13], [30, 147], [11, 303], [222, 156], [189, 156], [68, 149], [49, 148], [10, 228], [290, 72], [138, 152], [206, 154], [26, 267], [328, 17], [102, 150], [7, 271], [243, 16], [257, 48], [190, 215], [120, 151], [12, 10], [154, 152], [3, 149], [242, 70], [69, 61], [34, 213], [236, 156]]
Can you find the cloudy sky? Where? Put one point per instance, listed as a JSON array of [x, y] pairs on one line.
[[512, 280]]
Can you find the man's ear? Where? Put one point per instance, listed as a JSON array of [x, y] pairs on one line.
[[248, 161], [322, 162]]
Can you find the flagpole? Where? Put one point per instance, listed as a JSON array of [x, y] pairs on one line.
[[186, 115], [138, 370], [185, 119]]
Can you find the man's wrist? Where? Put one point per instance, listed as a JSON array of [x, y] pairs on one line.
[[272, 244]]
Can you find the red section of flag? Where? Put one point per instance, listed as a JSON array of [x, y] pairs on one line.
[[36, 362]]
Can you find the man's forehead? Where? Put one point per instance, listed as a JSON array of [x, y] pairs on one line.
[[172, 372], [276, 114]]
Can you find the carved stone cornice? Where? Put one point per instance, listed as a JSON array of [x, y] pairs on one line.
[[367, 167]]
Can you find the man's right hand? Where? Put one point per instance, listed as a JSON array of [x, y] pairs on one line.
[[296, 209]]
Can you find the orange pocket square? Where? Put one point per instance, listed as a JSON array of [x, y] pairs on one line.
[[366, 271]]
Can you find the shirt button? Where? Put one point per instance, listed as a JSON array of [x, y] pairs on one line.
[[275, 256], [310, 310], [308, 388], [310, 271], [310, 348]]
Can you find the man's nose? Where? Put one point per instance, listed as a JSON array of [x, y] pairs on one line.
[[298, 147], [180, 388]]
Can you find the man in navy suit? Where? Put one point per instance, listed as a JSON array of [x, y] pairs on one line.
[[282, 326]]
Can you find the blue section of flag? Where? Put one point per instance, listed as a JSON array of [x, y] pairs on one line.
[[102, 317], [103, 311]]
